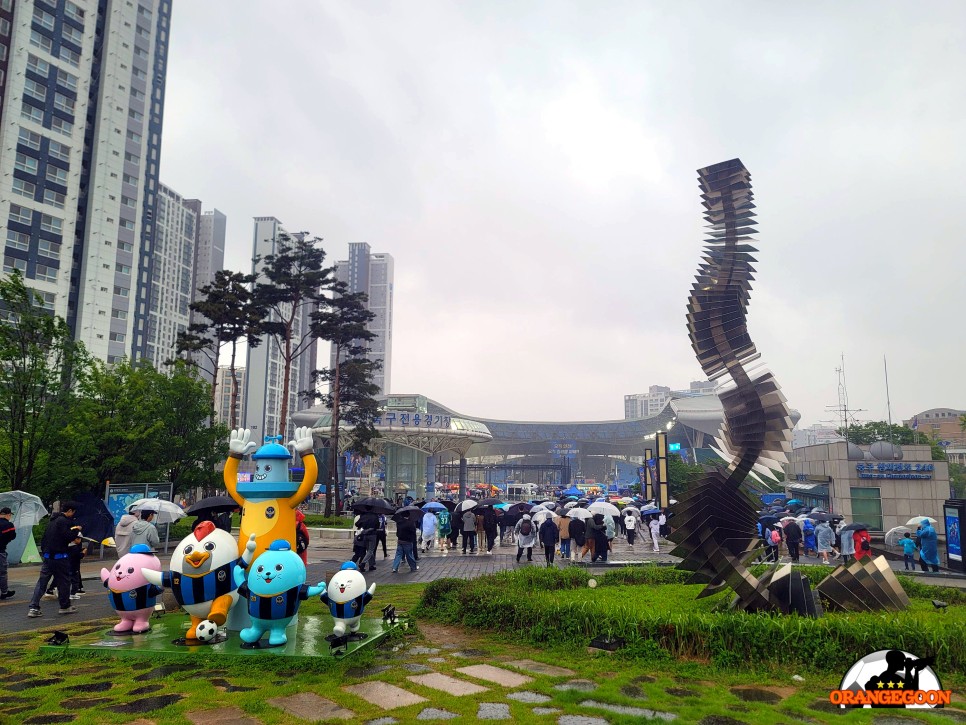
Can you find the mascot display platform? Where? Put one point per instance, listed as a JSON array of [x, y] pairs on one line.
[[306, 639]]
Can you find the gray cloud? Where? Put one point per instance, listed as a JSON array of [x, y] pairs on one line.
[[531, 167]]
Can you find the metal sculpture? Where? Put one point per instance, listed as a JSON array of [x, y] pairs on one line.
[[716, 520]]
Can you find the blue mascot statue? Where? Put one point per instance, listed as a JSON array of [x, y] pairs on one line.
[[347, 597], [274, 590]]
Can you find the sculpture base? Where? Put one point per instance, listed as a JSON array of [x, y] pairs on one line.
[[308, 640]]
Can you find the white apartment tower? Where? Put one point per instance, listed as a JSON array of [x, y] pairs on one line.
[[264, 374], [82, 86], [223, 394], [372, 274]]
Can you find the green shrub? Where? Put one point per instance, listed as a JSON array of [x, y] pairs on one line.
[[556, 607]]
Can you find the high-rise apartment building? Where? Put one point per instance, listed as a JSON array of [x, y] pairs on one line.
[[265, 369], [80, 138], [209, 257], [645, 405], [223, 394], [372, 274]]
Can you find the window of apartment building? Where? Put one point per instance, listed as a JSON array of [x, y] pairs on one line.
[[54, 198], [138, 73], [35, 90], [67, 80], [47, 299], [73, 11], [132, 158], [12, 263], [64, 128], [59, 151], [24, 188], [143, 32], [127, 224], [128, 179], [122, 291], [25, 163], [136, 137], [63, 103], [69, 56], [128, 201], [56, 174], [136, 115], [140, 52], [119, 314], [51, 224], [21, 214], [117, 337], [39, 40], [45, 273], [125, 246], [4, 26], [35, 64], [45, 19], [31, 113], [48, 248], [18, 240], [3, 52], [73, 34], [29, 139], [137, 95], [124, 268]]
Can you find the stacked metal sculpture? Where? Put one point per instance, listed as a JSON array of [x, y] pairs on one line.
[[715, 522]]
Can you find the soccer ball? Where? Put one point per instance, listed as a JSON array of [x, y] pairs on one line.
[[206, 631]]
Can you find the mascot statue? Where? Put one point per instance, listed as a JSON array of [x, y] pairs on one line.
[[269, 501], [274, 589], [347, 597], [200, 577], [132, 596]]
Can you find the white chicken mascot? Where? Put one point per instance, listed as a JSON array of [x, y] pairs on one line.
[[200, 577]]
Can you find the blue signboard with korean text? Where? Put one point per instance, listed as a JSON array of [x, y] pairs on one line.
[[954, 533], [905, 471], [563, 449]]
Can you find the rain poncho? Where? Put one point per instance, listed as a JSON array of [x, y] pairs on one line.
[[929, 550], [124, 533], [824, 536], [808, 531], [525, 541]]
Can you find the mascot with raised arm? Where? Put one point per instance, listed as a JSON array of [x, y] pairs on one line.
[[269, 501]]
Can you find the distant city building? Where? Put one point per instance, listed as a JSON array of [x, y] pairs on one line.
[[209, 258], [82, 87], [223, 394], [816, 434], [939, 423], [265, 368], [646, 405], [372, 274]]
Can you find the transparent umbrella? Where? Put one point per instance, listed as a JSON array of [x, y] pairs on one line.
[[166, 512], [602, 507], [917, 520], [578, 513], [27, 509], [893, 536]]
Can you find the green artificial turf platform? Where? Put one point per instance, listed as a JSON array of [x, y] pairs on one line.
[[306, 639]]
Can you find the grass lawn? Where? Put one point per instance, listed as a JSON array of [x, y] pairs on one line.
[[643, 676]]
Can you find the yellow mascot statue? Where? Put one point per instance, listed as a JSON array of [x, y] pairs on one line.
[[269, 500]]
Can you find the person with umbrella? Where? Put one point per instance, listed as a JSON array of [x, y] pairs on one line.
[[428, 528], [368, 526], [124, 533], [597, 532], [443, 518], [793, 536], [563, 524], [8, 532], [525, 534], [846, 543], [929, 549], [60, 533], [578, 535], [489, 529], [549, 536], [808, 537], [655, 527], [405, 543], [145, 532], [468, 520], [909, 550]]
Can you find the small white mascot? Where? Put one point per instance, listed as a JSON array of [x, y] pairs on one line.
[[347, 597]]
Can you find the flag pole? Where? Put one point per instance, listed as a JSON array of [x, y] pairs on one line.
[[885, 366]]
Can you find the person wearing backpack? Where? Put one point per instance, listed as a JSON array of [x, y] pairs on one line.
[[525, 534], [549, 536], [793, 535], [772, 541]]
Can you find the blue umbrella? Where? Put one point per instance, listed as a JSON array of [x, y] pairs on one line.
[[434, 506], [794, 502]]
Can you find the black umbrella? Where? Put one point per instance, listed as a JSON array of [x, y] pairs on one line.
[[768, 520], [489, 502], [407, 512], [824, 517], [213, 504], [519, 509], [856, 526], [450, 505], [376, 505]]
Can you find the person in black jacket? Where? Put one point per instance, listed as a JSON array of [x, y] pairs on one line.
[[549, 536], [578, 537], [60, 533], [8, 532], [368, 525], [405, 543]]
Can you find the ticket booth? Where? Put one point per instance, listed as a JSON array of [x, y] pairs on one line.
[[954, 513]]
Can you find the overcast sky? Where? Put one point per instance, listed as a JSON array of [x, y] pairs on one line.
[[531, 168]]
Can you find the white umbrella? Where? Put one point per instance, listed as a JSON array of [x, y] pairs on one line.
[[632, 510], [27, 509], [549, 505], [578, 513], [602, 507], [627, 499], [570, 504], [893, 536], [917, 520], [787, 518], [464, 506], [166, 511], [538, 517]]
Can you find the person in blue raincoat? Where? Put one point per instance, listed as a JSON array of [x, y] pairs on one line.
[[929, 549], [808, 530]]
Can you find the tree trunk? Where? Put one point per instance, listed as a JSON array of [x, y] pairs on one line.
[[286, 376], [332, 487], [234, 386]]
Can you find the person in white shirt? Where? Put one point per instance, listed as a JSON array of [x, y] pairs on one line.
[[630, 525], [655, 527], [662, 521]]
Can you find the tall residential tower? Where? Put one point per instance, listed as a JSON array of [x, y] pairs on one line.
[[80, 139]]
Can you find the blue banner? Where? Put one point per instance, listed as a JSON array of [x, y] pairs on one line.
[[954, 534]]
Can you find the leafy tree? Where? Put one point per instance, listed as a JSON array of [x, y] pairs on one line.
[[291, 285], [39, 365], [344, 322], [957, 480], [874, 431], [230, 315], [682, 476]]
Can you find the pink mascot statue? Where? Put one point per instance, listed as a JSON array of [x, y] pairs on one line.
[[131, 595]]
